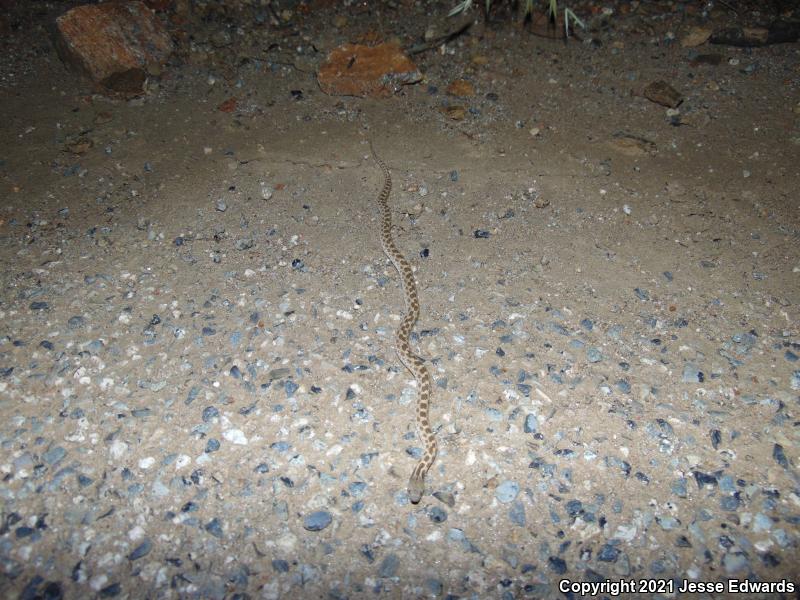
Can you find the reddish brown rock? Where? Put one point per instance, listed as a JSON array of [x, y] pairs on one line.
[[461, 88], [457, 113], [354, 70], [115, 44]]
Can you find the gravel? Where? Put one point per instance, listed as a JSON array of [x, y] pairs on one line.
[[199, 395]]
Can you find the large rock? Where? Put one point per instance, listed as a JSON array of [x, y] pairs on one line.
[[356, 70], [115, 44]]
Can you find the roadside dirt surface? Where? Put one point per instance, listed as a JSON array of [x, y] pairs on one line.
[[199, 395]]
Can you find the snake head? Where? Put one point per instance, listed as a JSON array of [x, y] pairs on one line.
[[416, 488]]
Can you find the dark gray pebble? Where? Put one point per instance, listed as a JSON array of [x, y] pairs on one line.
[[52, 591], [716, 438], [110, 591], [23, 532], [39, 305], [210, 413], [76, 322], [214, 527], [141, 550], [317, 521], [437, 514], [557, 565], [281, 446], [389, 566], [280, 565], [779, 456], [367, 553], [704, 479], [608, 553], [574, 508]]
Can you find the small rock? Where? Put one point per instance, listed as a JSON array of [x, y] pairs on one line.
[[235, 436], [214, 527], [691, 374], [461, 88], [317, 521], [517, 513], [389, 566], [663, 93], [437, 514], [141, 550], [507, 491], [457, 113], [531, 424], [359, 70], [557, 565], [697, 36]]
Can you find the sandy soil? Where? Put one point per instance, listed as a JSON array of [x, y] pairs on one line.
[[199, 395]]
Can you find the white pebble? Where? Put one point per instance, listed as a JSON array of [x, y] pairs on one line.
[[136, 533], [117, 449], [235, 436], [98, 582]]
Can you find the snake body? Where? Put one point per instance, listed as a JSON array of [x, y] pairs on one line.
[[412, 362]]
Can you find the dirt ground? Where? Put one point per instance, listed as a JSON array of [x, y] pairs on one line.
[[199, 395]]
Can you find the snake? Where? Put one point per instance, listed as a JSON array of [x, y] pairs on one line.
[[411, 361]]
